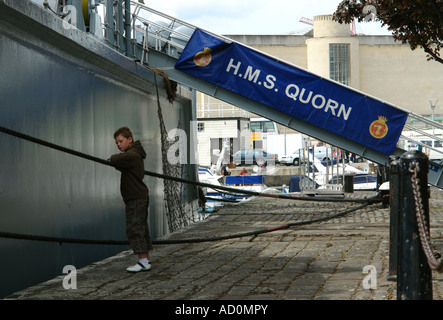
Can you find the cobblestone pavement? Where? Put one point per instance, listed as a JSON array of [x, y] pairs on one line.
[[319, 261]]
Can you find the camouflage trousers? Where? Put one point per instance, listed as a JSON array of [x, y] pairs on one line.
[[137, 229]]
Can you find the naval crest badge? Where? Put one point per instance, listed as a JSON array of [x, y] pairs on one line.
[[379, 128], [203, 58]]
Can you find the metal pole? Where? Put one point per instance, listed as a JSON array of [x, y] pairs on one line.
[[119, 25], [128, 35], [433, 103], [414, 277], [110, 22], [394, 185]]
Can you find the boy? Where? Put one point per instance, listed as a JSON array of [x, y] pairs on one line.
[[135, 195]]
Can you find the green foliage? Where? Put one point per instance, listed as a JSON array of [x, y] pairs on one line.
[[417, 22]]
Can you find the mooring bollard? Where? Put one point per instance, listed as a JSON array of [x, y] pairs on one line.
[[394, 184], [349, 182], [414, 277]]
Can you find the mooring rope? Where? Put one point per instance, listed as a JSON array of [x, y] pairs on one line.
[[60, 240], [254, 234], [177, 179]]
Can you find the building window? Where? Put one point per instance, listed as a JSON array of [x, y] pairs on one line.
[[200, 127], [339, 63], [262, 126]]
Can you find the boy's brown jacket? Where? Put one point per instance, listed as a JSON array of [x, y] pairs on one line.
[[131, 165]]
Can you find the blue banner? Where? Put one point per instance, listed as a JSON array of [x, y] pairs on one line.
[[245, 180], [293, 91]]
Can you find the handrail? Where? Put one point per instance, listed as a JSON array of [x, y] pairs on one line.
[[426, 120], [421, 144]]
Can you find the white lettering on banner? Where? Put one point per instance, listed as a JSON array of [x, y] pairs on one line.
[[302, 94], [292, 91], [231, 65], [345, 112], [270, 82], [318, 101], [252, 76], [332, 104], [315, 101], [292, 94]]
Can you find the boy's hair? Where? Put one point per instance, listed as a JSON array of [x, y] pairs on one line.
[[124, 131]]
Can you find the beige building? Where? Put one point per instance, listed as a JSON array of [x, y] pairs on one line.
[[376, 65]]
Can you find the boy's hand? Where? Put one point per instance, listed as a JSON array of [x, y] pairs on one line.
[[109, 160]]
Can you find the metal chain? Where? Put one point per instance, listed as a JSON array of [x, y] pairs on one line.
[[423, 230]]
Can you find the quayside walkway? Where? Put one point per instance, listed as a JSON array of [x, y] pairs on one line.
[[320, 261]]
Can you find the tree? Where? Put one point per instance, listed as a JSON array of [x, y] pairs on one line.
[[417, 22]]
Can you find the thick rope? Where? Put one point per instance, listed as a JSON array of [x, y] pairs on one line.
[[162, 176]]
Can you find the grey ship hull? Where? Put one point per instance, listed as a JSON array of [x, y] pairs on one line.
[[68, 88]]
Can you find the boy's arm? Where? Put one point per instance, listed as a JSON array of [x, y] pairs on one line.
[[124, 160]]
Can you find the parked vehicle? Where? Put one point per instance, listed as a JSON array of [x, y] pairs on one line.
[[296, 158], [326, 153], [321, 153], [361, 181], [254, 156], [431, 147]]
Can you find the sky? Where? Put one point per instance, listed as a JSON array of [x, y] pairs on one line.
[[254, 16]]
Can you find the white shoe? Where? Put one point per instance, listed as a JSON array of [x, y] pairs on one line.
[[139, 267]]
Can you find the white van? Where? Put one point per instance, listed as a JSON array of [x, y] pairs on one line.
[[296, 158], [431, 147], [300, 156], [325, 153]]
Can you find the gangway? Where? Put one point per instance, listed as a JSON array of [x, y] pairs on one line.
[[159, 41]]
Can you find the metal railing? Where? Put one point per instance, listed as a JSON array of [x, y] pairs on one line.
[[137, 29], [412, 135]]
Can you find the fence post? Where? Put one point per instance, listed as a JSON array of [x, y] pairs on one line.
[[414, 277], [394, 199]]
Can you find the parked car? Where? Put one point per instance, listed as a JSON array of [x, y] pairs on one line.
[[296, 158], [300, 156], [325, 153], [254, 156]]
